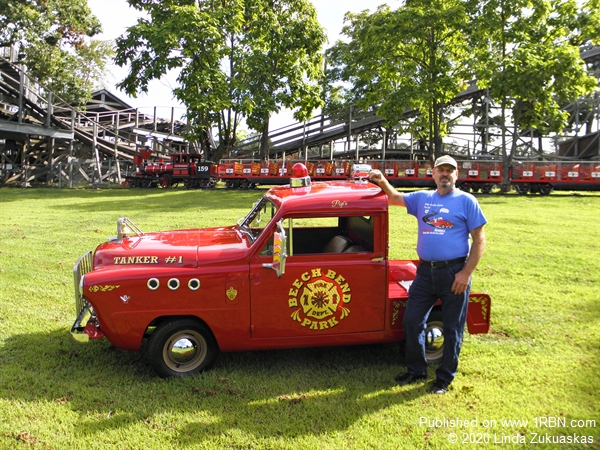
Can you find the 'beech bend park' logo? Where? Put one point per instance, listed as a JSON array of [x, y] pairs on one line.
[[318, 298]]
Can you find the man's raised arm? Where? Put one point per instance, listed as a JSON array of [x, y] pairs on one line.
[[394, 197]]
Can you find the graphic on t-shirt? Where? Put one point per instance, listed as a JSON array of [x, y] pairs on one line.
[[438, 222]]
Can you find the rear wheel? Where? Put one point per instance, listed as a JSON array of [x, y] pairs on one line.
[[434, 337], [180, 348], [521, 189]]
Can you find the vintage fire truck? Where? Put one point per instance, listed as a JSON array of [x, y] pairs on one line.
[[308, 266]]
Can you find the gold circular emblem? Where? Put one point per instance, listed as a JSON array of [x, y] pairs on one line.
[[318, 298]]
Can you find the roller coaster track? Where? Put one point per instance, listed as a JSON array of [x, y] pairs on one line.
[[46, 119], [324, 129], [39, 116]]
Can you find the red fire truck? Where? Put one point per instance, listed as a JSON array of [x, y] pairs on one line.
[[308, 266]]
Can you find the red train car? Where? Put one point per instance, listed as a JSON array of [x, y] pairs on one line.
[[527, 177], [543, 177], [475, 176], [276, 172]]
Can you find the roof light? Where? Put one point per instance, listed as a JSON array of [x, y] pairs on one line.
[[299, 176], [360, 172]]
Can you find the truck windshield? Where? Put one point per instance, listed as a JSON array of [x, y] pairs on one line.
[[258, 218]]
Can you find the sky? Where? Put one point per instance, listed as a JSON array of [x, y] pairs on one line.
[[116, 16]]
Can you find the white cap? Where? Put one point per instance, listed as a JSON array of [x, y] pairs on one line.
[[446, 159]]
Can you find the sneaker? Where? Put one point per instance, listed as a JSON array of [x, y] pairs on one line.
[[439, 387], [409, 378]]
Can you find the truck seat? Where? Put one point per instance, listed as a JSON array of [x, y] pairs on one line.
[[337, 244], [355, 249]]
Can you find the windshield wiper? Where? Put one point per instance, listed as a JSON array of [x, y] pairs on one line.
[[242, 224]]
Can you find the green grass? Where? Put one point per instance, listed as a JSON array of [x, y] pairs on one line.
[[540, 359]]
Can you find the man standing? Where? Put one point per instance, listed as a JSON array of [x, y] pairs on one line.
[[446, 217]]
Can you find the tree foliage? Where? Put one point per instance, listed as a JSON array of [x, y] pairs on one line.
[[418, 57], [237, 59], [53, 38], [526, 58], [586, 26], [410, 59], [285, 39]]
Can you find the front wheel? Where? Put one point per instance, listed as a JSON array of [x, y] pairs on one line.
[[180, 348], [434, 337], [165, 181]]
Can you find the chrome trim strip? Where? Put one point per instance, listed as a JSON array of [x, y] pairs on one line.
[[82, 266]]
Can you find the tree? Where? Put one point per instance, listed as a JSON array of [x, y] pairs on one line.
[[525, 56], [285, 63], [410, 59], [54, 40], [232, 65]]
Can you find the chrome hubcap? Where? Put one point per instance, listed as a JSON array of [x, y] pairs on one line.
[[185, 351], [434, 340]]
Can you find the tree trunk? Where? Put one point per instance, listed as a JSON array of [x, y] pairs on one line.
[[505, 183], [264, 141]]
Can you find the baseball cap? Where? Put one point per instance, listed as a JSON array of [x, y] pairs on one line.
[[446, 159]]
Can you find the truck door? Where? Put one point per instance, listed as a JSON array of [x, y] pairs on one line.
[[334, 281]]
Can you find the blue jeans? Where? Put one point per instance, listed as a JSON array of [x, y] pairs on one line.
[[429, 286]]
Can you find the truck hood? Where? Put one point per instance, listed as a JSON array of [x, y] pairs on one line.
[[181, 248]]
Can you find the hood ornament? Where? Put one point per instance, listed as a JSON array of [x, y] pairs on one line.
[[126, 228]]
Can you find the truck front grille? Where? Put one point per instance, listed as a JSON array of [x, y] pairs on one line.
[[82, 266]]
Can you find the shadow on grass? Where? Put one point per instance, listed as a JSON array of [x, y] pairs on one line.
[[266, 394]]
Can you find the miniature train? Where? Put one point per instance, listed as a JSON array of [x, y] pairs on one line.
[[187, 168], [475, 176]]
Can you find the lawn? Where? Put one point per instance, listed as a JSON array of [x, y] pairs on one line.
[[532, 381]]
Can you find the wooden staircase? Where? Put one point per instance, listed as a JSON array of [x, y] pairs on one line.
[[45, 140]]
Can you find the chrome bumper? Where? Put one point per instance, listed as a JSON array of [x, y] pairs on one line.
[[83, 309]]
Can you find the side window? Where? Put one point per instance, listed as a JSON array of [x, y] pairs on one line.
[[267, 250], [360, 230], [326, 235], [344, 234]]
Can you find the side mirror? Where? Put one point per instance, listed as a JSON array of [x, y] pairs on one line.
[[279, 251]]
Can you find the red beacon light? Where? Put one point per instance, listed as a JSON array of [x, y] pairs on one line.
[[299, 176]]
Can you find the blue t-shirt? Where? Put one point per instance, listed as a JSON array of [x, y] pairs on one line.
[[445, 222]]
